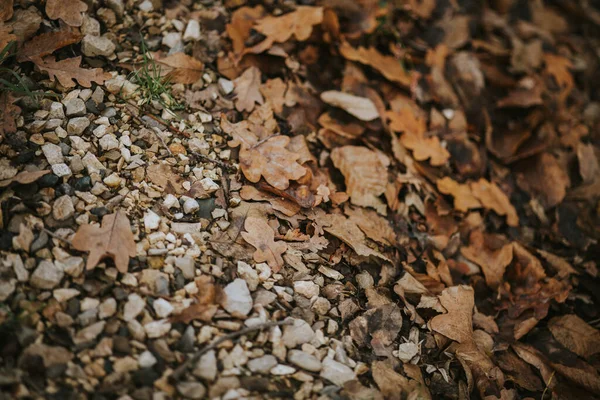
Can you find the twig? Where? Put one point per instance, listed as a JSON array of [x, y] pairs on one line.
[[218, 163], [176, 375], [55, 236]]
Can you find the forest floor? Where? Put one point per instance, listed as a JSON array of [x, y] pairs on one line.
[[321, 199]]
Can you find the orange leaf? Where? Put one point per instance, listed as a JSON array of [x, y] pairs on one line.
[[493, 198], [180, 68], [69, 11], [247, 89], [298, 23], [241, 24], [457, 323], [113, 239], [493, 260], [68, 71], [260, 235], [8, 113], [463, 198], [45, 44], [6, 10]]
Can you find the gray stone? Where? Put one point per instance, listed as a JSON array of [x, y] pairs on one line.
[[46, 276], [298, 333], [206, 368], [262, 364], [92, 164], [53, 153], [304, 360], [109, 142], [337, 373], [192, 30], [90, 26], [187, 266], [56, 110], [237, 298], [61, 170], [107, 308], [93, 46], [98, 95], [225, 85], [90, 333], [191, 390], [75, 107], [147, 359], [190, 206], [134, 306], [63, 208], [77, 125]]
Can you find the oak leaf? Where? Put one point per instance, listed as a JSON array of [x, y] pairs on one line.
[[279, 203], [372, 224], [360, 107], [45, 44], [365, 173], [162, 175], [457, 323], [8, 113], [348, 232], [70, 11], [247, 90], [493, 198], [68, 71], [463, 198], [241, 24], [576, 335], [6, 36], [180, 68], [388, 66], [6, 10], [543, 177], [261, 236], [113, 239], [493, 258]]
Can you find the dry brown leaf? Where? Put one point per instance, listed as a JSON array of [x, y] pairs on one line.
[[350, 130], [241, 24], [457, 323], [575, 334], [543, 178], [560, 265], [493, 198], [180, 68], [24, 177], [6, 36], [113, 239], [348, 232], [414, 137], [365, 173], [558, 68], [589, 167], [162, 175], [284, 206], [463, 198], [6, 10], [372, 224], [247, 90], [8, 114], [45, 44], [69, 11], [388, 66], [68, 71], [360, 107], [277, 94], [207, 301], [260, 235], [491, 255]]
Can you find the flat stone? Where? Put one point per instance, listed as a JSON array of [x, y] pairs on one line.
[[238, 301], [190, 206], [61, 170], [225, 86], [172, 39], [337, 373], [209, 185], [62, 295], [298, 333], [71, 265], [151, 220], [134, 306], [90, 333], [75, 107], [162, 308], [191, 390], [63, 208], [56, 111], [158, 328], [92, 164], [304, 360], [307, 289], [93, 46], [281, 369], [146, 359], [109, 142], [107, 308], [50, 355], [206, 368], [46, 276], [249, 274], [90, 26], [77, 125], [120, 84], [53, 153], [192, 30], [262, 364]]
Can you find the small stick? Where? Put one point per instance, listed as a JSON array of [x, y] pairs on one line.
[[176, 375], [55, 236], [218, 163]]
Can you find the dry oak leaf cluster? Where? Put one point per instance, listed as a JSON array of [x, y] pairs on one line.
[[260, 235], [113, 239], [70, 11]]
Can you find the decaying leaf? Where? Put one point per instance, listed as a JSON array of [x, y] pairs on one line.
[[45, 44], [113, 239], [372, 224], [388, 66], [457, 323], [241, 24], [68, 71], [365, 173], [544, 178], [6, 36], [24, 177], [69, 11], [180, 68], [247, 90], [162, 175], [360, 107], [491, 254], [260, 235], [281, 204], [463, 198], [493, 198], [558, 67], [206, 305], [8, 113], [576, 335], [6, 10]]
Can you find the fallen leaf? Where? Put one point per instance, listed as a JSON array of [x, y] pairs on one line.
[[277, 94], [390, 67], [6, 10], [242, 21], [69, 11], [543, 178], [206, 305], [360, 107], [68, 71], [493, 256], [562, 267], [350, 130], [589, 167], [457, 323], [180, 68], [247, 90], [278, 203], [493, 198], [518, 371], [45, 44], [8, 114], [24, 177], [365, 173], [575, 334], [6, 36], [463, 198], [260, 235], [372, 224], [162, 175], [113, 239], [558, 67]]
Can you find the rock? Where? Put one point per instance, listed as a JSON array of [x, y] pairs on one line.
[[192, 31], [162, 308], [206, 368], [83, 184], [146, 359], [62, 295], [93, 46], [109, 142], [247, 273], [56, 111], [98, 95], [298, 333], [281, 369], [304, 360], [151, 220], [61, 170], [107, 308], [190, 206], [134, 306], [7, 287], [90, 333], [238, 301], [262, 364], [187, 266], [171, 201], [50, 355], [125, 364], [187, 340], [158, 328], [191, 390], [46, 276], [120, 84], [53, 153], [307, 289], [406, 351], [365, 280], [321, 306], [63, 208], [172, 39], [71, 265], [118, 6], [113, 180], [337, 373], [77, 125], [209, 185], [92, 164], [146, 6], [75, 107], [225, 86]]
